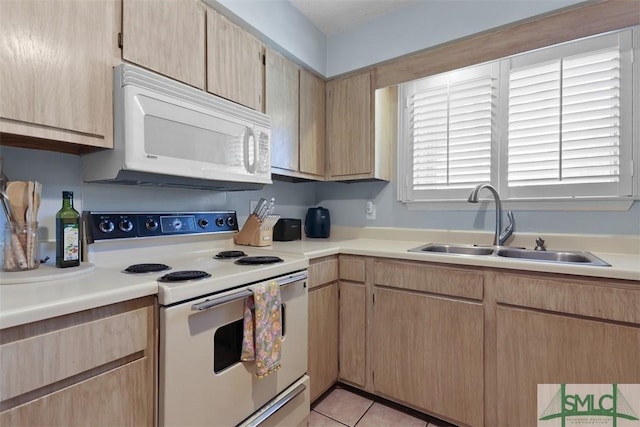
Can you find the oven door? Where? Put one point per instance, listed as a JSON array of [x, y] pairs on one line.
[[202, 380]]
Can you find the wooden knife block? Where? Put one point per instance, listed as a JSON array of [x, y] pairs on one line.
[[253, 233]]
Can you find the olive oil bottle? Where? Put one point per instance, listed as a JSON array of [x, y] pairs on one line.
[[67, 233]]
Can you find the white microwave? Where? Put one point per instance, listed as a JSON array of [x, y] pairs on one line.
[[168, 133]]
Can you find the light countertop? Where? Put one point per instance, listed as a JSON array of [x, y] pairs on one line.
[[29, 302], [94, 287], [623, 266]]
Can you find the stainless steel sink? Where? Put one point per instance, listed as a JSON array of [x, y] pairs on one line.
[[521, 254], [455, 249], [565, 257]]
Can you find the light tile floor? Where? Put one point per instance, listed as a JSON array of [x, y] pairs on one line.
[[343, 408]]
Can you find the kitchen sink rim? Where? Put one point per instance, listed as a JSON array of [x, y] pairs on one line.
[[583, 258]]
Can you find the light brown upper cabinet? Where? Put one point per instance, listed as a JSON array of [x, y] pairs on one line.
[[312, 125], [55, 69], [234, 62], [359, 142], [167, 36], [281, 103], [295, 100]]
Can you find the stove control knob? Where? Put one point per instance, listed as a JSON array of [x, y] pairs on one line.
[[151, 224], [106, 226], [220, 221], [176, 225], [203, 222], [231, 221], [125, 225]]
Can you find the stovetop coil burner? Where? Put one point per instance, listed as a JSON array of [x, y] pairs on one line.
[[230, 254], [256, 260], [179, 276], [146, 268]]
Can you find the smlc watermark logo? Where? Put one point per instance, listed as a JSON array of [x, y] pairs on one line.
[[592, 405]]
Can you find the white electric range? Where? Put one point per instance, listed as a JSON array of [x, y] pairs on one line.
[[203, 278]]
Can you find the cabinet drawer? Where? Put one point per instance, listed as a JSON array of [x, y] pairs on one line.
[[40, 360], [323, 270], [115, 398], [352, 268], [429, 278], [599, 299]]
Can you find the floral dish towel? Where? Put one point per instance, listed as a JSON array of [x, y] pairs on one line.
[[263, 328]]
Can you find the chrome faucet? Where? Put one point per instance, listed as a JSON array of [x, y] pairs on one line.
[[501, 236]]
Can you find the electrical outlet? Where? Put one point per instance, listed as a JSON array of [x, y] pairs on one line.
[[370, 209]]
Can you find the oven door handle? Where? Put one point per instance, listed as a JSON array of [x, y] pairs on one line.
[[210, 303], [275, 407]]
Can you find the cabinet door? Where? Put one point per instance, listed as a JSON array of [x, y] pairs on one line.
[[349, 130], [55, 68], [312, 124], [428, 352], [167, 36], [94, 367], [234, 62], [323, 338], [542, 348], [115, 398], [353, 333], [281, 103]]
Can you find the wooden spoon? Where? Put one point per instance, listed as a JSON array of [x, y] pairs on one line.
[[18, 200], [17, 194], [37, 198], [28, 216]]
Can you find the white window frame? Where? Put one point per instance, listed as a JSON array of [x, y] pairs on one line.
[[545, 199], [466, 74]]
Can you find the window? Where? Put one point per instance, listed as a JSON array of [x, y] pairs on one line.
[[450, 125], [553, 123]]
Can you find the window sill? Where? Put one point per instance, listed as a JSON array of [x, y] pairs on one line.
[[591, 204]]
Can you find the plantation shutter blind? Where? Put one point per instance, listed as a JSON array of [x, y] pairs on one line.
[[554, 123], [564, 126], [451, 123]]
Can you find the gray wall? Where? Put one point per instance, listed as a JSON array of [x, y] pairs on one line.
[[58, 172], [417, 26], [279, 24], [425, 24], [346, 202]]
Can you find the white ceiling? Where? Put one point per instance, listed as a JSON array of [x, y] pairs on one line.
[[333, 16]]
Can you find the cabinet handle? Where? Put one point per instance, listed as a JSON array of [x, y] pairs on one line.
[[275, 407]]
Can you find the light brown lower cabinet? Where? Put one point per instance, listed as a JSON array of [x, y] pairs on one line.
[[353, 321], [323, 325], [428, 353], [94, 367], [114, 398], [353, 334], [427, 349], [561, 331], [469, 344]]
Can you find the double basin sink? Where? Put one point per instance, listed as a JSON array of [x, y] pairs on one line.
[[521, 254]]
